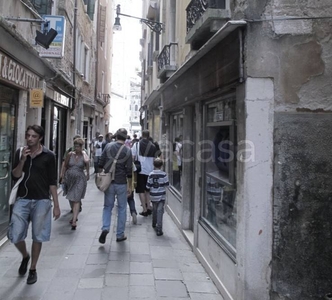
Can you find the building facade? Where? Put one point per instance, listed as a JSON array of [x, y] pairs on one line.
[[62, 76], [242, 88]]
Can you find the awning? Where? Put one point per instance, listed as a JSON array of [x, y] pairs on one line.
[[221, 34]]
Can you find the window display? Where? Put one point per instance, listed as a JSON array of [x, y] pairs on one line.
[[218, 156], [177, 155]]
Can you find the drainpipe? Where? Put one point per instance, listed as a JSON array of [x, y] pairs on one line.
[[77, 105], [241, 65]]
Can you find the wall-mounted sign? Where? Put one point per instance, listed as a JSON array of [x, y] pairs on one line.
[[57, 47], [36, 98]]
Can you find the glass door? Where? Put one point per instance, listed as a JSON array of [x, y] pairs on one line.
[[8, 99]]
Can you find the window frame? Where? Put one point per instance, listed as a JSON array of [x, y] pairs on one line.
[[228, 182]]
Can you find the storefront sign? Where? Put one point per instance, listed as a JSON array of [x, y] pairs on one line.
[[57, 47], [14, 73], [36, 98], [61, 99]]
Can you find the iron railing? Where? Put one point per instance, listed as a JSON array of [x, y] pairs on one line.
[[164, 58], [197, 8]]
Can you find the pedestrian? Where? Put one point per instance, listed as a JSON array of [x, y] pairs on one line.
[[75, 180], [134, 140], [130, 197], [62, 171], [128, 141], [118, 187], [156, 184], [144, 151], [97, 150], [108, 139], [33, 202]]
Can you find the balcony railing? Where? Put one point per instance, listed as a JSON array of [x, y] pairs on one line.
[[196, 9], [166, 60]]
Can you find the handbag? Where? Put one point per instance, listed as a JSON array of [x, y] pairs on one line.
[[137, 163], [13, 192], [103, 180]]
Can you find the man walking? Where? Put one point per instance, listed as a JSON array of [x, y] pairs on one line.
[[97, 150], [118, 187], [145, 151], [33, 202]]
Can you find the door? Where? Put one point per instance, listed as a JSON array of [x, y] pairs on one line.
[[8, 98]]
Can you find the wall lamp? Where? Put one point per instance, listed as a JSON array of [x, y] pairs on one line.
[[153, 25]]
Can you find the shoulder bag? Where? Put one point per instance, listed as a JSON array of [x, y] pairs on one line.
[[13, 193], [103, 180]]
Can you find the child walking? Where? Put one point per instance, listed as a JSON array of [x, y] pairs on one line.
[[156, 183]]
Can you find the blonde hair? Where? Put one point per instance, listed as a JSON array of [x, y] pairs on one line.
[[79, 141]]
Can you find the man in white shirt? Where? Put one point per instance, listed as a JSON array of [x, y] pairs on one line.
[[144, 151], [97, 151]]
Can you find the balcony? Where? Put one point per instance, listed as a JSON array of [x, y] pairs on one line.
[[204, 19], [166, 62], [103, 99]]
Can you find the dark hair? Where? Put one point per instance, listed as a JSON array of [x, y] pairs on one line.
[[121, 134], [158, 163], [135, 135], [145, 133], [38, 129]]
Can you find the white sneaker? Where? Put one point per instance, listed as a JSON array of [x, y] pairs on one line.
[[134, 216]]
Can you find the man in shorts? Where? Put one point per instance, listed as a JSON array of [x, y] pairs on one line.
[[145, 151], [33, 202]]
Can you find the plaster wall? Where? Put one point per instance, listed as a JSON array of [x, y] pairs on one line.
[[181, 30], [295, 55], [217, 263], [254, 195], [298, 60], [175, 206]]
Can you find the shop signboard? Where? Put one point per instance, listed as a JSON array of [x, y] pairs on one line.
[[56, 49]]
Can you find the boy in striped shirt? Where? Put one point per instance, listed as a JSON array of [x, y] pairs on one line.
[[156, 184]]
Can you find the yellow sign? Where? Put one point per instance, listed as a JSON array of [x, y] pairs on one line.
[[36, 98]]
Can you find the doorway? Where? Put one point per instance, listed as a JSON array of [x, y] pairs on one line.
[[8, 100]]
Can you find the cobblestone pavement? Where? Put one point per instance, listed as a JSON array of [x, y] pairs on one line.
[[73, 265]]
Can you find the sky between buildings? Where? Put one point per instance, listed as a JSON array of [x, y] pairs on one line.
[[126, 61]]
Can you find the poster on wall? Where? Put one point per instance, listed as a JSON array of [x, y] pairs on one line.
[[36, 98]]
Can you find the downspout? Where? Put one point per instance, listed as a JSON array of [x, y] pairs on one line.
[[241, 64], [74, 67]]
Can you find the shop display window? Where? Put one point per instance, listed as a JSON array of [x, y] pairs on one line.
[[219, 163], [177, 151]]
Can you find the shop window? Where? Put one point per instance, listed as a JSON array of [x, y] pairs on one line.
[[177, 153], [43, 7], [219, 163]]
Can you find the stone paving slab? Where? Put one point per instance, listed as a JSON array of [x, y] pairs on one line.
[[75, 266]]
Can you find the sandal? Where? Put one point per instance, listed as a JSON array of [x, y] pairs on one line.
[[71, 221]]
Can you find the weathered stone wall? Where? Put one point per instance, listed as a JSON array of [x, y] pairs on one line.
[[302, 243], [296, 54]]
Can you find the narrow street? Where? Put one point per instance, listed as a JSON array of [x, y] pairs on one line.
[[73, 265]]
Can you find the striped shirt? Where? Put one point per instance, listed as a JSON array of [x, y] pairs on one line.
[[157, 182]]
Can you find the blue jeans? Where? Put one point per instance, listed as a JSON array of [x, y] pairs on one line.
[[120, 191], [157, 213], [131, 203], [38, 212]]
